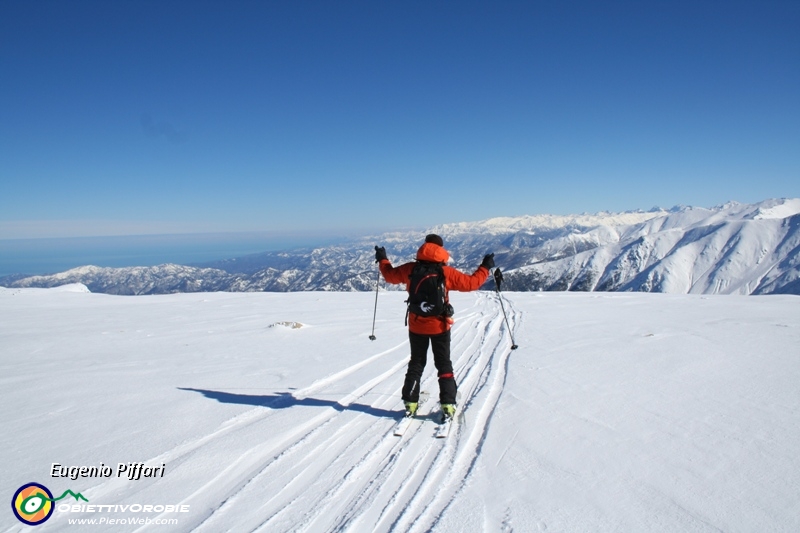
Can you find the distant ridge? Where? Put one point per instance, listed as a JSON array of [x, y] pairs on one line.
[[728, 249]]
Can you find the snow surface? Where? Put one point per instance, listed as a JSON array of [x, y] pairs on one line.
[[618, 412]]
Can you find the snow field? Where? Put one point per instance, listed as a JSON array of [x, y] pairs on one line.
[[619, 412]]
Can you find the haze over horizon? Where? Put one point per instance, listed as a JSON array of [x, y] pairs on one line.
[[151, 118]]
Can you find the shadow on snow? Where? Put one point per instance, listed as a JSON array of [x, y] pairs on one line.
[[285, 400]]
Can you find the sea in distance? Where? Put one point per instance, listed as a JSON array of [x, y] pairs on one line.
[[53, 255]]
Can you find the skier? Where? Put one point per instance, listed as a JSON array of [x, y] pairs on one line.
[[435, 330]]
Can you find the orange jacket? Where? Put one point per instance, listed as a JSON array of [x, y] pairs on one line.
[[454, 280]]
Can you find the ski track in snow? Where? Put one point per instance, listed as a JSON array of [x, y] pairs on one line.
[[363, 477]]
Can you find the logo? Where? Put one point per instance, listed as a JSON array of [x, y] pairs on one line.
[[33, 503], [426, 307]]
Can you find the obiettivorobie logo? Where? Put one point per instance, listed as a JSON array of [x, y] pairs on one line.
[[33, 503]]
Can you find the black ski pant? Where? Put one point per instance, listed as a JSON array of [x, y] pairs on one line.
[[440, 345]]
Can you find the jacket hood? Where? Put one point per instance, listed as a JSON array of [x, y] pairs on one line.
[[432, 252]]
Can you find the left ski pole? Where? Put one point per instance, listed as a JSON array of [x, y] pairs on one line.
[[498, 279], [375, 311]]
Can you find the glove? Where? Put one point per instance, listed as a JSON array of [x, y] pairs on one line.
[[380, 254], [488, 261]]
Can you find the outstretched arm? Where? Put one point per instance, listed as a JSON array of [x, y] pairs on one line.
[[391, 274], [395, 275], [458, 281]]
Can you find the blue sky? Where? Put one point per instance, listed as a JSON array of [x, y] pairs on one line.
[[145, 117]]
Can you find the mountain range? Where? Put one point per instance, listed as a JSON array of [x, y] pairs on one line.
[[729, 249]]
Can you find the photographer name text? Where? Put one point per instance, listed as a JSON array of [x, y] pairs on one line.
[[132, 471]]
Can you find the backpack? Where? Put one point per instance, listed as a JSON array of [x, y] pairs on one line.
[[427, 295]]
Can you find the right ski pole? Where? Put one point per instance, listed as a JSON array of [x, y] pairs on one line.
[[498, 279], [375, 311]]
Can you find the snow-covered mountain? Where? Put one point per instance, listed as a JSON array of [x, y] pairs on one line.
[[729, 249]]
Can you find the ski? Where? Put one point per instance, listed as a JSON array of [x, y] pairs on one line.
[[402, 426], [443, 429]]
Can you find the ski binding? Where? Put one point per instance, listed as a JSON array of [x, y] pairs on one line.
[[405, 422]]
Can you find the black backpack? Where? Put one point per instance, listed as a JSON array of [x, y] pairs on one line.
[[427, 295]]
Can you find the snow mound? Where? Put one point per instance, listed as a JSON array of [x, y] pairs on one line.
[[286, 324]]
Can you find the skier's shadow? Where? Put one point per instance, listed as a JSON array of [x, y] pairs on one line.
[[285, 400]]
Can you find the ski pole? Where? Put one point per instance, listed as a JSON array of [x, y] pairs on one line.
[[498, 279], [375, 311]]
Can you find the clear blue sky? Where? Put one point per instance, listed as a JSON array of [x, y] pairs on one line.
[[161, 117]]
